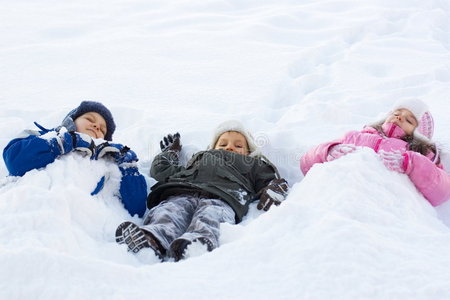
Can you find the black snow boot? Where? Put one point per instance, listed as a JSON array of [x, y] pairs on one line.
[[179, 246], [137, 239]]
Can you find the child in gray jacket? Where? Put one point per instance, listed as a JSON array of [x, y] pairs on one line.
[[216, 186]]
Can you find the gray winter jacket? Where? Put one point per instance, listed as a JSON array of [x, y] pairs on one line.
[[219, 174]]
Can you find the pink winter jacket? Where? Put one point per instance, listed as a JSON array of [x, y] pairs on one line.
[[431, 180]]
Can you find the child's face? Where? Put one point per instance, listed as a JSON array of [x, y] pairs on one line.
[[91, 123], [232, 141], [404, 118]]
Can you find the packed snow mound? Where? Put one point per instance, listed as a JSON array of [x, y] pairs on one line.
[[349, 221], [52, 208], [351, 230]]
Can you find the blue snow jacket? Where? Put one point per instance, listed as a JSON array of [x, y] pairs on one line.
[[34, 151]]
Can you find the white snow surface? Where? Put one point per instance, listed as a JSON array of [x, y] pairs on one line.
[[296, 73]]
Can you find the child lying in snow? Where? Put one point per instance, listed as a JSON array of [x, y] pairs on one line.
[[188, 203], [83, 131], [403, 142]]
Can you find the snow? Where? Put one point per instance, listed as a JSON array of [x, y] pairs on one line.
[[297, 73]]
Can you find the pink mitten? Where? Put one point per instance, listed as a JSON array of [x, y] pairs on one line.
[[394, 161], [340, 150]]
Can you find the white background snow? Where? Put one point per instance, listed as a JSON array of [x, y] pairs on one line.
[[297, 73]]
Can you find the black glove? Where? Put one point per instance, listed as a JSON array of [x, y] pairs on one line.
[[274, 193], [171, 142]]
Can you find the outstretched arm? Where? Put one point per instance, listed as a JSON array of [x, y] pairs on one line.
[[167, 162], [316, 155], [37, 151], [328, 151]]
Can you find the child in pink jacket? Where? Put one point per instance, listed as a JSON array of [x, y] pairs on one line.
[[403, 142]]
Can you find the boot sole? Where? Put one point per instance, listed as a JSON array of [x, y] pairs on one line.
[[135, 238]]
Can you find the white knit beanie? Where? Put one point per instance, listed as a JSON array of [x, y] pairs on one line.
[[425, 127], [234, 125]]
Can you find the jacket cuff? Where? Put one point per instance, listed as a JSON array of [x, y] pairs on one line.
[[56, 145], [407, 162], [328, 157]]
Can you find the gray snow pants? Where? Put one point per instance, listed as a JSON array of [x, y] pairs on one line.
[[189, 218]]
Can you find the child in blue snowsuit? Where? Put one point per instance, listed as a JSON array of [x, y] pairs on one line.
[[87, 130]]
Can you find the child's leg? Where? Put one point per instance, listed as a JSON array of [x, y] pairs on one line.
[[170, 218], [205, 225]]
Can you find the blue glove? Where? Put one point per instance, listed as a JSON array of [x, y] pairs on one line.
[[75, 141], [120, 153]]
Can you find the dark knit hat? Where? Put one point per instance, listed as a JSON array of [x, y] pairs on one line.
[[91, 106]]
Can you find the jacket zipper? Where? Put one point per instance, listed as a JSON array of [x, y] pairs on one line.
[[377, 145], [391, 131]]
